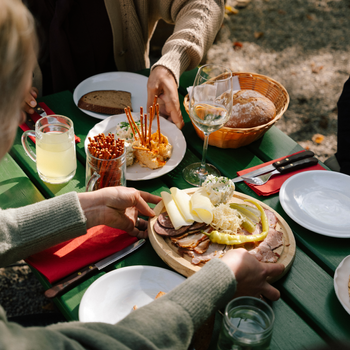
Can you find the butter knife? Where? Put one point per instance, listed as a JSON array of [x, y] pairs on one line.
[[73, 279], [40, 111], [280, 163], [30, 122]]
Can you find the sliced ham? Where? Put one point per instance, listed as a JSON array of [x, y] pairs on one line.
[[174, 239], [202, 247], [274, 238], [264, 253], [191, 241], [271, 217], [214, 250]]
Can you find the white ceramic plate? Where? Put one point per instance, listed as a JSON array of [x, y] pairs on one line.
[[319, 201], [131, 82], [341, 279], [136, 172], [112, 297]]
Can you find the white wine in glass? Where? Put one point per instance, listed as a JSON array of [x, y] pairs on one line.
[[209, 109]]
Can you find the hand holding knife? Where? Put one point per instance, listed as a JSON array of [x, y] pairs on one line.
[[285, 165]]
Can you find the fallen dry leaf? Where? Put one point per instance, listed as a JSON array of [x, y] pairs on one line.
[[310, 17], [317, 138], [237, 45], [230, 10], [282, 12], [316, 69], [258, 35]]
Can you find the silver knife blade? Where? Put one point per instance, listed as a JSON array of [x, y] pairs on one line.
[[272, 167], [40, 111], [256, 172], [118, 255]]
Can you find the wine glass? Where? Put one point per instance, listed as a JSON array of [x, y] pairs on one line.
[[210, 108]]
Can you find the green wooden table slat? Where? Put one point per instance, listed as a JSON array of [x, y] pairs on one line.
[[265, 147], [291, 331], [16, 189], [309, 289]]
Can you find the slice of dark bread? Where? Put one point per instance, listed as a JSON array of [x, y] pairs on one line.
[[106, 101]]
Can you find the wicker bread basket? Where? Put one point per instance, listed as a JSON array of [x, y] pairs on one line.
[[238, 137]]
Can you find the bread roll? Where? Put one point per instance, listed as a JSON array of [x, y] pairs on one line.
[[106, 101], [250, 108]]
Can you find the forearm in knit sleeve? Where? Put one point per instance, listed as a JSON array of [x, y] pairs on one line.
[[196, 24], [167, 323], [33, 228]]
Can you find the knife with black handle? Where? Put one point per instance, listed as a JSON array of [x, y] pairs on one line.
[[296, 165], [275, 165]]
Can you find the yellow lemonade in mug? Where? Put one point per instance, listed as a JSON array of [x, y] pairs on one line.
[[54, 148], [55, 153]]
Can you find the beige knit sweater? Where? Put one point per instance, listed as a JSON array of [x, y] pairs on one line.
[[133, 22]]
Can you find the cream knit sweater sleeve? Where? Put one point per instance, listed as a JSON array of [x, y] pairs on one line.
[[196, 24], [33, 228]]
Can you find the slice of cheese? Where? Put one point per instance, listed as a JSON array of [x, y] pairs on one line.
[[202, 206], [174, 213], [182, 201]]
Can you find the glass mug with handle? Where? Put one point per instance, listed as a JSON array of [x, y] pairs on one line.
[[55, 148]]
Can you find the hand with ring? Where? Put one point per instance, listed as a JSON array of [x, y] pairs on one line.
[[118, 207]]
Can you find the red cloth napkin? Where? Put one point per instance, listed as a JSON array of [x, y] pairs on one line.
[[65, 258], [276, 181], [35, 117]]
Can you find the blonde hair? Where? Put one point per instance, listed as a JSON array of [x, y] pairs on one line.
[[18, 46]]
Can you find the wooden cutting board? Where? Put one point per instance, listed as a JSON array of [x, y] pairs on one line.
[[168, 252]]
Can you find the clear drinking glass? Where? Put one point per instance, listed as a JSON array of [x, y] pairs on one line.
[[210, 108], [105, 172], [247, 324], [55, 156]]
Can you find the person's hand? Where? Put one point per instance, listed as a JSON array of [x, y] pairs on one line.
[[161, 82], [30, 100], [251, 274], [118, 207]]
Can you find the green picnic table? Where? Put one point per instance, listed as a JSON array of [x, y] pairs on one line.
[[308, 312]]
